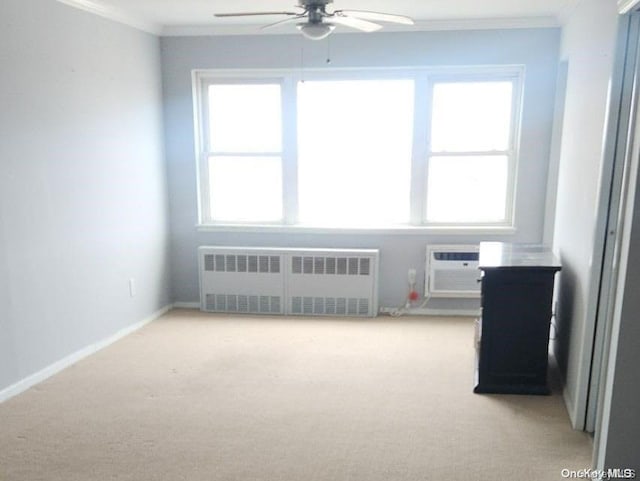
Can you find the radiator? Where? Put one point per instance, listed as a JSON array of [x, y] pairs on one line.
[[452, 271], [316, 282]]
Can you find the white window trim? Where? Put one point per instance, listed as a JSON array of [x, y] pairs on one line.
[[424, 78], [516, 77], [203, 142], [374, 230]]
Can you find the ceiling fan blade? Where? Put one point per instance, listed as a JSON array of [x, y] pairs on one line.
[[249, 14], [353, 22], [377, 16], [286, 20]]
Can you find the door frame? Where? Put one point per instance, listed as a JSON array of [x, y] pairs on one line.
[[614, 181]]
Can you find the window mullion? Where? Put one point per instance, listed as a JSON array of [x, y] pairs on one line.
[[204, 185], [204, 199], [420, 149], [514, 146], [289, 152]]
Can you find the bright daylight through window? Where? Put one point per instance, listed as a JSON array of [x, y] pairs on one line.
[[245, 153], [354, 152], [469, 161], [358, 150]]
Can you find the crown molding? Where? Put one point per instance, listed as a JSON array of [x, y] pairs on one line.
[[625, 6], [420, 26], [97, 7], [115, 14]]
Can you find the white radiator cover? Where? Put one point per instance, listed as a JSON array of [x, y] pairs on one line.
[[317, 282], [452, 271]]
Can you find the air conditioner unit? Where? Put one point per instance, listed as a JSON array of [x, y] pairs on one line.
[[452, 271]]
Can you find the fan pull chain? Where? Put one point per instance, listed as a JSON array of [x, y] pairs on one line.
[[328, 50]]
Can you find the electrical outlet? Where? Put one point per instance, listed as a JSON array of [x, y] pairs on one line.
[[412, 276], [132, 287]]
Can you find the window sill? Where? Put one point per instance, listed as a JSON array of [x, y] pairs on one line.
[[394, 230]]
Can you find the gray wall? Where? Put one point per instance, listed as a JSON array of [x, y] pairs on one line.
[[537, 49], [588, 45], [82, 182]]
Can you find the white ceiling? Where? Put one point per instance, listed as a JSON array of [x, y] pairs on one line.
[[171, 17]]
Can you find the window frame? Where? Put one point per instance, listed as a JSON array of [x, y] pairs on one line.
[[424, 78], [516, 78], [204, 148]]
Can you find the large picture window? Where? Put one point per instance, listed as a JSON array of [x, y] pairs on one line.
[[354, 152], [358, 149]]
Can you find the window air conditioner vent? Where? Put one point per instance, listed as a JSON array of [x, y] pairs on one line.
[[452, 271]]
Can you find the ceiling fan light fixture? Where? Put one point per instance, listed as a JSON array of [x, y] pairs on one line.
[[316, 31]]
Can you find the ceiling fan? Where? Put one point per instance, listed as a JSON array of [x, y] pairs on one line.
[[318, 23]]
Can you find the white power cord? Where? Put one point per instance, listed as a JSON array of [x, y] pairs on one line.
[[399, 311], [406, 308]]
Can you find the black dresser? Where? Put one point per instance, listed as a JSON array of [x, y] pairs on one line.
[[512, 333]]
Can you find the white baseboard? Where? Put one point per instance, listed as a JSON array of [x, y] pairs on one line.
[[186, 305], [577, 424], [413, 311], [417, 311], [58, 366]]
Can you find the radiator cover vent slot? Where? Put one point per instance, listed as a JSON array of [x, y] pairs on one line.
[[316, 282], [330, 306], [320, 265], [242, 263], [243, 303]]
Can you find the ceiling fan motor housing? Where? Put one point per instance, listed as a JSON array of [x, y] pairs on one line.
[[314, 3], [315, 9], [318, 23]]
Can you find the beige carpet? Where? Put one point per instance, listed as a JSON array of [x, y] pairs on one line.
[[201, 397]]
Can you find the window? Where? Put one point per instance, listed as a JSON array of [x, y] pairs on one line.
[[471, 156], [358, 148], [354, 152], [244, 156]]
